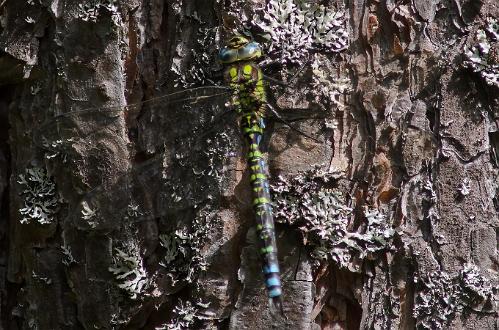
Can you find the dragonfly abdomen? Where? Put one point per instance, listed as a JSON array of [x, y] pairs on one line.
[[264, 221], [252, 126]]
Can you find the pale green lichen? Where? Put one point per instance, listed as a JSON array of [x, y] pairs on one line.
[[483, 56], [199, 69], [42, 279], [57, 148], [325, 86], [310, 202], [439, 295], [185, 315], [175, 244], [297, 27], [67, 258], [183, 259], [89, 11], [129, 271], [39, 195], [464, 187]]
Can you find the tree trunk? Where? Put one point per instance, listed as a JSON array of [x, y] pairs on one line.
[[139, 217]]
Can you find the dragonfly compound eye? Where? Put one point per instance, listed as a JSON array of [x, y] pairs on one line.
[[240, 49]]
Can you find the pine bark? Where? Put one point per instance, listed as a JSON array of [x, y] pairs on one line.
[[415, 141]]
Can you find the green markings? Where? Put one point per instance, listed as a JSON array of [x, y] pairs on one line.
[[255, 154], [233, 73], [267, 249], [255, 176], [267, 226], [247, 69], [255, 168], [253, 129], [261, 213], [260, 200], [257, 189]]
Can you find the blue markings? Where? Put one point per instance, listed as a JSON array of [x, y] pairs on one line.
[[275, 292], [261, 162], [273, 281], [273, 268], [262, 123]]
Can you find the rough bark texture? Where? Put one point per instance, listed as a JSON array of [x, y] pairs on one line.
[[139, 217]]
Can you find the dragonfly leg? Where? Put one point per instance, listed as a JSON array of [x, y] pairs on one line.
[[287, 123], [287, 84]]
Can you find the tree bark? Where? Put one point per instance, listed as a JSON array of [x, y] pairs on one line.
[[139, 217]]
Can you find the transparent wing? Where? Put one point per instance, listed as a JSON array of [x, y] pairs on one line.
[[194, 143], [190, 135], [95, 120], [173, 183]]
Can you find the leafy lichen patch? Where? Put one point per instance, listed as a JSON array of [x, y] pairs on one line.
[[40, 198], [483, 55], [440, 295], [202, 56], [298, 27], [89, 11], [185, 315], [184, 258], [129, 271], [310, 202]]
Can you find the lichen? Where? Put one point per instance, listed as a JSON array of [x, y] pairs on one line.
[[89, 11], [464, 187], [202, 55], [327, 87], [322, 215], [477, 291], [41, 279], [298, 27], [67, 258], [435, 301], [440, 295], [483, 56], [40, 198], [89, 214], [129, 270], [183, 259], [186, 314], [176, 245], [57, 148]]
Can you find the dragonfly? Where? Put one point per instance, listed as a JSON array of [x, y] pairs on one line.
[[150, 197]]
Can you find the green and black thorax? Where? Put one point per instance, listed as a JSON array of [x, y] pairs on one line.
[[243, 75]]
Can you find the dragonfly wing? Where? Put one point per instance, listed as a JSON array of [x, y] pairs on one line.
[[163, 123], [187, 174], [83, 123]]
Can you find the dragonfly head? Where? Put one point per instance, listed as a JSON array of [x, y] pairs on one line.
[[239, 48]]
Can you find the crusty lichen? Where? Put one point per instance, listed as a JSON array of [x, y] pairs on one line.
[[129, 271], [297, 27], [483, 56], [40, 198], [322, 215], [440, 295]]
